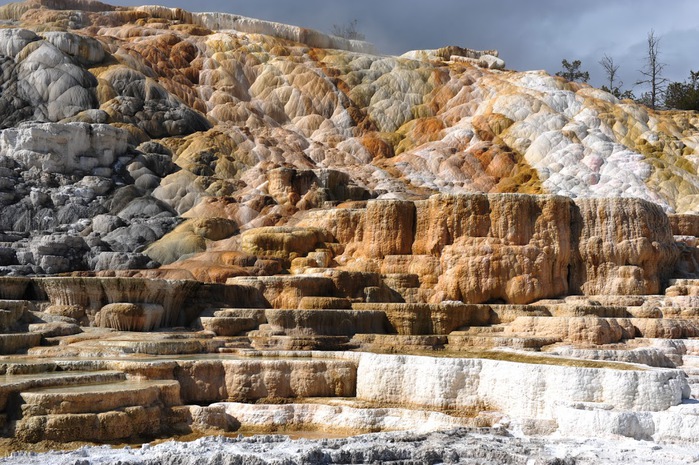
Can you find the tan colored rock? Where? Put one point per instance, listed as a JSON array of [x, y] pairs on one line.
[[426, 267], [680, 313], [504, 313], [201, 382], [228, 326], [215, 266], [344, 224], [387, 229], [621, 246], [286, 291], [91, 294], [96, 412], [55, 329], [589, 330], [423, 319], [99, 398], [190, 237], [579, 310], [290, 378], [283, 242], [171, 295], [308, 189], [75, 292], [611, 300], [684, 225], [399, 343], [246, 380], [18, 342], [352, 284], [210, 419], [11, 313], [501, 246], [12, 287], [130, 317], [665, 328], [69, 311], [324, 303], [326, 322]]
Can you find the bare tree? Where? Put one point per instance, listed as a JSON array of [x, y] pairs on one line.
[[653, 70], [348, 31], [610, 69]]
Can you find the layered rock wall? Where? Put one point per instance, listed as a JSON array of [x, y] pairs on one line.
[[506, 247], [621, 246], [137, 304], [248, 380], [510, 248]]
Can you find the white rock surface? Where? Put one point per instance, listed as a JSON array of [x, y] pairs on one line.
[[528, 391], [12, 41], [310, 37], [339, 418], [83, 147], [678, 424], [86, 50], [456, 447]]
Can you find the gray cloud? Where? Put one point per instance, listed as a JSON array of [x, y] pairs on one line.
[[534, 34]]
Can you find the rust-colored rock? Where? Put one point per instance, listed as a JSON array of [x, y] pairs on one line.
[[508, 247]]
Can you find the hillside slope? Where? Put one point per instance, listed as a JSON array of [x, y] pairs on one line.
[[118, 123]]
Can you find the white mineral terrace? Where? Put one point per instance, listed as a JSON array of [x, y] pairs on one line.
[[546, 410]]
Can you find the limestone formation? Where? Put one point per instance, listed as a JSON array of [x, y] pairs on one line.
[[631, 254], [512, 248], [40, 79], [210, 223], [591, 330], [130, 317]]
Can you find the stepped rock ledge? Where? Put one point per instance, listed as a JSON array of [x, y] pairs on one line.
[[213, 225]]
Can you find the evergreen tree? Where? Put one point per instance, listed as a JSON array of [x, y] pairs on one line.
[[572, 72], [684, 95]]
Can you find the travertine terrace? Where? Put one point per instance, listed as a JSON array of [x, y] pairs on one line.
[[212, 224]]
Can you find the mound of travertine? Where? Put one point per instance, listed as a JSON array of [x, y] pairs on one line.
[[120, 125], [178, 189]]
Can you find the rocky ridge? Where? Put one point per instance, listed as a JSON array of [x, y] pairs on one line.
[[192, 205]]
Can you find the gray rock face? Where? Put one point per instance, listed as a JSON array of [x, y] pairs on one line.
[[59, 253], [143, 102], [136, 236], [121, 261], [104, 224], [86, 50], [42, 79], [12, 41], [64, 148], [69, 178]]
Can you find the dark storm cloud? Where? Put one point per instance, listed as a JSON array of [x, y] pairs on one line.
[[535, 34]]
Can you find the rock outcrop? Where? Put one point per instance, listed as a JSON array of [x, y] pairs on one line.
[[622, 246], [164, 114], [194, 205]]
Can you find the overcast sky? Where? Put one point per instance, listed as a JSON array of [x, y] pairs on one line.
[[534, 34]]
